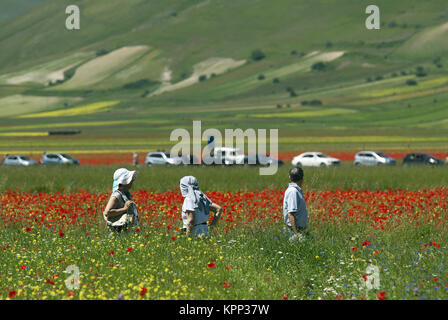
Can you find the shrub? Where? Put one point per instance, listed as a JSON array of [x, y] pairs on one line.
[[261, 77], [257, 55], [411, 82], [102, 52], [138, 84], [319, 66], [379, 78], [276, 80], [315, 103], [292, 93], [279, 106], [420, 72], [202, 77]]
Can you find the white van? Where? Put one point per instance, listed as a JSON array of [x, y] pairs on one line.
[[229, 155]]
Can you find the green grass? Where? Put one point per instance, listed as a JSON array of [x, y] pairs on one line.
[[262, 265], [99, 178]]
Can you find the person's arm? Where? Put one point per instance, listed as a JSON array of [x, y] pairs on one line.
[[110, 212], [217, 213], [292, 220], [190, 222]]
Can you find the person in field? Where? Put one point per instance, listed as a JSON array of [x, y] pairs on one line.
[[295, 213], [196, 208], [121, 212], [135, 158]]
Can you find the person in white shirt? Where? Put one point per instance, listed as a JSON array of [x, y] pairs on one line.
[[295, 213], [196, 208]]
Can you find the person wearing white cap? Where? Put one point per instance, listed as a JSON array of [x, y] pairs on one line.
[[196, 208], [121, 212]]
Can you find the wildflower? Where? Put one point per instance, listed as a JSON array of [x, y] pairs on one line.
[[225, 284], [366, 243], [211, 265], [381, 295], [12, 294], [143, 292]]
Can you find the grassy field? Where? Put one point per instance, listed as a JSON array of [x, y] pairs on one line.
[[390, 218], [222, 178]]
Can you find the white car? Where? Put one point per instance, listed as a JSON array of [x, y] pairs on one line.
[[229, 155], [162, 158], [58, 158], [18, 160], [373, 158], [314, 159]]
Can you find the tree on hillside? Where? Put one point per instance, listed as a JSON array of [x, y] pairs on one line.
[[257, 55], [319, 66]]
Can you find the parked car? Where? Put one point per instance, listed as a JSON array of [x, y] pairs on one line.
[[421, 158], [228, 156], [261, 159], [155, 158], [18, 160], [189, 159], [373, 158], [314, 159], [58, 158]]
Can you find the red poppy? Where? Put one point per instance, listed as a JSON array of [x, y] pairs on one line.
[[12, 294], [143, 291], [366, 243], [23, 267], [285, 297], [70, 294], [225, 284], [137, 230], [173, 238], [227, 268], [364, 276], [381, 295], [129, 249], [49, 281], [354, 249], [211, 265], [111, 252], [61, 234], [28, 230]]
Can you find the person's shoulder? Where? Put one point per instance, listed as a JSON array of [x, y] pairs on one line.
[[116, 194]]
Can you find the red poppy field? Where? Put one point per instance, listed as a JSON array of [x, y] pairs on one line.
[[400, 233]]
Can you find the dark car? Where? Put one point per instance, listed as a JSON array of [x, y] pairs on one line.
[[261, 160], [188, 159], [421, 158]]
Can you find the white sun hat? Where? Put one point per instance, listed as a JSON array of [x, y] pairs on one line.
[[123, 176]]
